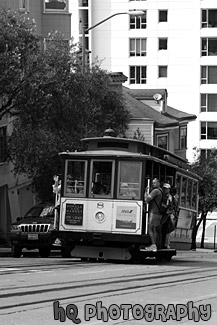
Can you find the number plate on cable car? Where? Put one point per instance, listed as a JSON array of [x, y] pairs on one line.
[[32, 236]]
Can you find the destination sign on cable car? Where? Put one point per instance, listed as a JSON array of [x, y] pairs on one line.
[[74, 214]]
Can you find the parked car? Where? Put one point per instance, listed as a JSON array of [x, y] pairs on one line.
[[33, 231]]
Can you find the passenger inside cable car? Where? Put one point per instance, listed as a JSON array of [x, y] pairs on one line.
[[98, 188], [126, 190]]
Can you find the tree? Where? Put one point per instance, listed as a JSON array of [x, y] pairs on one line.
[[59, 105], [18, 47], [206, 168], [138, 135]]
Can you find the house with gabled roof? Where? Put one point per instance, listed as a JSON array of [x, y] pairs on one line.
[[160, 124], [152, 119]]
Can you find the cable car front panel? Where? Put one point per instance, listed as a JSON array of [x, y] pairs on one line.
[[101, 215]]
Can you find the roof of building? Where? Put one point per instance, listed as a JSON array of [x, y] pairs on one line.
[[141, 110], [138, 109], [179, 115], [146, 93]]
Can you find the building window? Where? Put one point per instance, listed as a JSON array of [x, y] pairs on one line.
[[138, 75], [56, 5], [84, 21], [203, 130], [209, 18], [162, 141], [3, 144], [138, 47], [162, 16], [83, 3], [183, 137], [208, 130], [209, 46], [137, 22], [162, 43], [209, 74], [208, 102], [205, 153], [162, 71], [24, 5]]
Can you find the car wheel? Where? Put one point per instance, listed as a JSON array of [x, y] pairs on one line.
[[16, 251], [44, 252]]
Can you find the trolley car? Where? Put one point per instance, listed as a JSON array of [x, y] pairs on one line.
[[101, 213]]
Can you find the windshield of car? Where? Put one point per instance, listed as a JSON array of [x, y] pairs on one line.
[[40, 211]]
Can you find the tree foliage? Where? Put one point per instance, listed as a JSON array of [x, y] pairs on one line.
[[138, 135], [55, 106], [207, 169], [18, 47]]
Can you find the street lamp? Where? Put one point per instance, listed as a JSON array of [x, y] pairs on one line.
[[130, 12]]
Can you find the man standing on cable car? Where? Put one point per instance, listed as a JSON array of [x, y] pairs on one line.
[[154, 199]]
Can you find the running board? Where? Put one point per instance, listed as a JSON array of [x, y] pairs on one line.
[[160, 255]]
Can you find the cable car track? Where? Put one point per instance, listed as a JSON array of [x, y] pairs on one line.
[[122, 285]]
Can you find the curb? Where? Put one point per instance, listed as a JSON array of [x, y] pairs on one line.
[[5, 252]]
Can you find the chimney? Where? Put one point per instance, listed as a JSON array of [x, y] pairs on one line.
[[117, 79], [163, 103]]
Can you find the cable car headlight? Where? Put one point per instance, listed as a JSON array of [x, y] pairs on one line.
[[100, 216]]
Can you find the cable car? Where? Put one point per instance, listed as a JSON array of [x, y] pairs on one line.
[[101, 211]]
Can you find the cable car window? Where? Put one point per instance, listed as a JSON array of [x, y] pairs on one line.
[[189, 193], [183, 191], [194, 196], [178, 186], [75, 178], [129, 180], [101, 178]]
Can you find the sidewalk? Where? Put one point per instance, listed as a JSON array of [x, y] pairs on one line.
[[205, 250]]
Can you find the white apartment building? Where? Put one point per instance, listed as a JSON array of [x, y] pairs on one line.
[[173, 46]]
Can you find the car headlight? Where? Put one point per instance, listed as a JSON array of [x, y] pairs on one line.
[[51, 228], [15, 227]]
